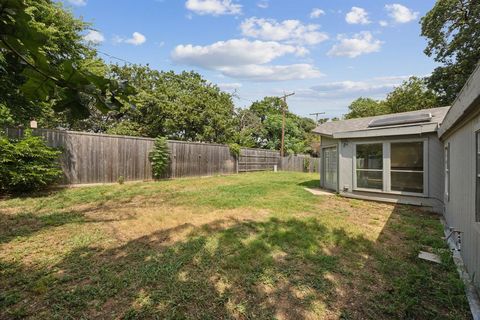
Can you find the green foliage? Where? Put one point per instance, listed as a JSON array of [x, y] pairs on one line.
[[27, 164], [452, 29], [235, 149], [160, 157], [44, 59], [413, 94], [177, 106], [260, 126], [306, 164], [121, 180], [365, 107]]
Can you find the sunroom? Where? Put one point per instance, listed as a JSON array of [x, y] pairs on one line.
[[393, 158]]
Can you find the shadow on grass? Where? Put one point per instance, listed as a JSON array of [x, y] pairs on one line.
[[279, 268], [27, 223], [250, 270], [310, 183]]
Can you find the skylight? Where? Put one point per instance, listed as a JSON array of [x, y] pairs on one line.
[[400, 119]]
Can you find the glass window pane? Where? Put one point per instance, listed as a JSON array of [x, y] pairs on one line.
[[407, 156], [370, 179], [407, 181], [370, 156]]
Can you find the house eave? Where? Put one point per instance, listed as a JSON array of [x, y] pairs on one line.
[[388, 132]]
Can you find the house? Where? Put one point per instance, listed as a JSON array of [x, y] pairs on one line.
[[460, 135], [396, 157], [428, 157]]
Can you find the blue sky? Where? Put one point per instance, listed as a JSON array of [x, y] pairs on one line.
[[327, 52]]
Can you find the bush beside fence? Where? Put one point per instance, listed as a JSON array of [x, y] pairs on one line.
[[100, 158]]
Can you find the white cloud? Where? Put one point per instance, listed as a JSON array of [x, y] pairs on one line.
[[357, 16], [383, 23], [94, 37], [136, 39], [273, 72], [78, 2], [376, 87], [263, 4], [360, 43], [290, 31], [213, 7], [245, 59], [229, 86], [233, 52], [400, 13], [316, 13]]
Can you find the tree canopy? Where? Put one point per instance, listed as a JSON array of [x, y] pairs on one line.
[[413, 94], [45, 63], [452, 29]]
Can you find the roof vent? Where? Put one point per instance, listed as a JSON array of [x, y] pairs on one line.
[[400, 119]]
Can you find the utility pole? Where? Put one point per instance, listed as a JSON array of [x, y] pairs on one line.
[[284, 97], [316, 114]]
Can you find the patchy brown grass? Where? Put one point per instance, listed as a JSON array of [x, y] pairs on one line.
[[239, 247]]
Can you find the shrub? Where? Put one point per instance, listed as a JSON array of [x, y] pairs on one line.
[[306, 164], [121, 180], [235, 150], [27, 164], [159, 157]]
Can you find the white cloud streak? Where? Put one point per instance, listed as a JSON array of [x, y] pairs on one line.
[[245, 59], [136, 39], [357, 16], [400, 13], [94, 37], [214, 7], [290, 31], [360, 43], [316, 13], [79, 3]]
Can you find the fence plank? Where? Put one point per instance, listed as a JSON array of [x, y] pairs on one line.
[[100, 158]]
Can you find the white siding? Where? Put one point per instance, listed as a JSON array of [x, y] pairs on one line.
[[460, 209]]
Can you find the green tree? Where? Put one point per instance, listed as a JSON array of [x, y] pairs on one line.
[[366, 107], [452, 29], [260, 126], [44, 62], [411, 95], [27, 164], [178, 106]]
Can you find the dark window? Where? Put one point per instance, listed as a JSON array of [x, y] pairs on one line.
[[369, 166], [406, 169]]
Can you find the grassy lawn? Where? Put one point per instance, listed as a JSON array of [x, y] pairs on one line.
[[252, 246]]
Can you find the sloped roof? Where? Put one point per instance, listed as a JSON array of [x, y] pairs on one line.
[[361, 124]]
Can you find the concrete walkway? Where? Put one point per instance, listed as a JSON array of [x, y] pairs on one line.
[[320, 192]]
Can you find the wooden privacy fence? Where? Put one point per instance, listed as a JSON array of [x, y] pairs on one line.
[[300, 163], [257, 159], [100, 158]]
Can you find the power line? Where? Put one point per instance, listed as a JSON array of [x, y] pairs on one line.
[[316, 114], [113, 57]]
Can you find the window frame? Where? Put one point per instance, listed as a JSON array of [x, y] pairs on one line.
[[355, 169], [447, 171], [387, 168], [477, 176]]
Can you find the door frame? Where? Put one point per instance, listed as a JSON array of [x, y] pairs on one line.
[[322, 178]]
